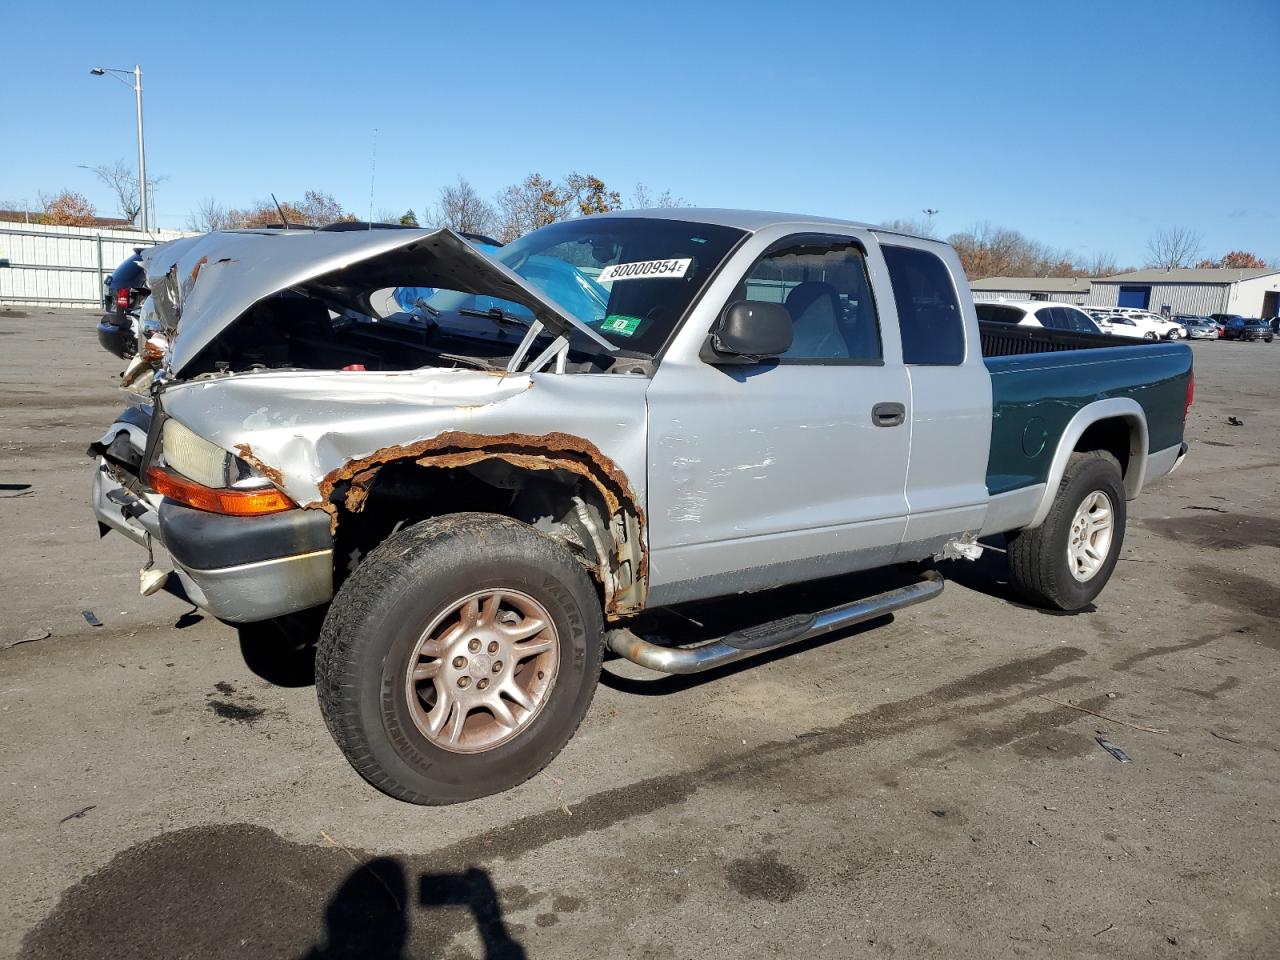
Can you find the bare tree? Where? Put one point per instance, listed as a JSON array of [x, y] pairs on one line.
[[209, 216], [319, 209], [123, 183], [919, 228], [1101, 264], [461, 208], [1173, 247], [643, 198]]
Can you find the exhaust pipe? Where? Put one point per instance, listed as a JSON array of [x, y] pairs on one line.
[[769, 636]]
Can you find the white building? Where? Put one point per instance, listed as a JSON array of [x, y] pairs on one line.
[[1060, 289], [1199, 292]]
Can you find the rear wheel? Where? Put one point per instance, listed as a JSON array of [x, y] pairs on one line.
[[459, 658], [1065, 562]]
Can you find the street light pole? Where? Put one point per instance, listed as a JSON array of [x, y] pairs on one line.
[[142, 152], [144, 208]]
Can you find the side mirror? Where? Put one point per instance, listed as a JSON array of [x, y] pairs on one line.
[[748, 332]]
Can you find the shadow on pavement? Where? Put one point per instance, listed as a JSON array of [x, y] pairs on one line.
[[239, 890]]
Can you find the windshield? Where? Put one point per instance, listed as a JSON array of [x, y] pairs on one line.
[[629, 279]]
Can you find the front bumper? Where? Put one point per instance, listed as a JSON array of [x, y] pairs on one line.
[[227, 565]]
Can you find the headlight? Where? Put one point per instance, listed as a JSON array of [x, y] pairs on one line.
[[200, 474], [194, 457]]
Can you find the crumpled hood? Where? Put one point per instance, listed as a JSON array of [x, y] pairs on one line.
[[202, 285]]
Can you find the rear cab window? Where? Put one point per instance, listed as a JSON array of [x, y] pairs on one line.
[[929, 314]]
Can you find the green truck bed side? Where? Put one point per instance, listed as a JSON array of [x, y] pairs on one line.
[[1035, 395]]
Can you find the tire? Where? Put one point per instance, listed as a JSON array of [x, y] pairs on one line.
[[1040, 564], [380, 717], [1150, 335]]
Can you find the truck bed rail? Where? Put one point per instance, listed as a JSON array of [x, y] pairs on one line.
[[1007, 340]]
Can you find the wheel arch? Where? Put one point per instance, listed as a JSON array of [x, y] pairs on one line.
[[1116, 424], [566, 490]]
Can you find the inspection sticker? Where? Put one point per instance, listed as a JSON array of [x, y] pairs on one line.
[[645, 270], [620, 324]]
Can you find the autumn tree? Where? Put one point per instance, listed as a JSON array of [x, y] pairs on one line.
[[67, 209], [987, 250], [532, 203], [1172, 247], [315, 209], [591, 195], [459, 207], [1236, 260]]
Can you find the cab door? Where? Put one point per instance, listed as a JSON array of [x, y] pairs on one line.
[[946, 487], [792, 468]]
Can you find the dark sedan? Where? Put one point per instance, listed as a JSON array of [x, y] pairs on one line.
[[1248, 328]]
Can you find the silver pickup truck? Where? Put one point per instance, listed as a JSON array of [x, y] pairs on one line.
[[487, 465]]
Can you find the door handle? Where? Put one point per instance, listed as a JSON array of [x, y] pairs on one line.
[[888, 414]]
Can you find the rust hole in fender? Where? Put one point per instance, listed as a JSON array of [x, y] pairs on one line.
[[349, 485]]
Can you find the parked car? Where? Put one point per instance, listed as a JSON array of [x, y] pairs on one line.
[[1037, 313], [122, 295], [761, 400], [1122, 325], [1198, 328], [1248, 328]]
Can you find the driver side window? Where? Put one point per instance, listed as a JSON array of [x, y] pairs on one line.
[[823, 283]]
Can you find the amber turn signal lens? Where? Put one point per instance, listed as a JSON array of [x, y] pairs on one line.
[[234, 503]]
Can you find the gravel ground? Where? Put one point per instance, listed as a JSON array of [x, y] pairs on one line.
[[905, 789]]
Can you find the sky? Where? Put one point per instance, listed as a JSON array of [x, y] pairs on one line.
[[1087, 126]]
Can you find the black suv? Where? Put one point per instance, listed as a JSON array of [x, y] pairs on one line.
[[122, 296], [1248, 328]]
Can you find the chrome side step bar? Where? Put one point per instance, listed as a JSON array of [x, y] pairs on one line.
[[771, 635]]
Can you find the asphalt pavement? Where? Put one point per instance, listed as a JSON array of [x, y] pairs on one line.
[[921, 787]]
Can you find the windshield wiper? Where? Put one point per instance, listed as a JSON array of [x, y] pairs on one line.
[[426, 306], [497, 315]]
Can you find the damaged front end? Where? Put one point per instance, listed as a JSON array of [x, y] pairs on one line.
[[295, 417]]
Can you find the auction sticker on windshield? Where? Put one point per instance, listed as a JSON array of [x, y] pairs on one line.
[[645, 270]]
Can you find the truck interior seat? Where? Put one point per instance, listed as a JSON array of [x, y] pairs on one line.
[[815, 314]]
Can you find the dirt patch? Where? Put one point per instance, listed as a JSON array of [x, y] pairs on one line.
[[1220, 531], [764, 878], [238, 890], [245, 712], [237, 712]]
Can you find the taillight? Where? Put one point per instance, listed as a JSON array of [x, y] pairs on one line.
[[122, 299], [1191, 394]]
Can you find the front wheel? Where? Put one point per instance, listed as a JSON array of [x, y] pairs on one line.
[[1065, 562], [459, 658]]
